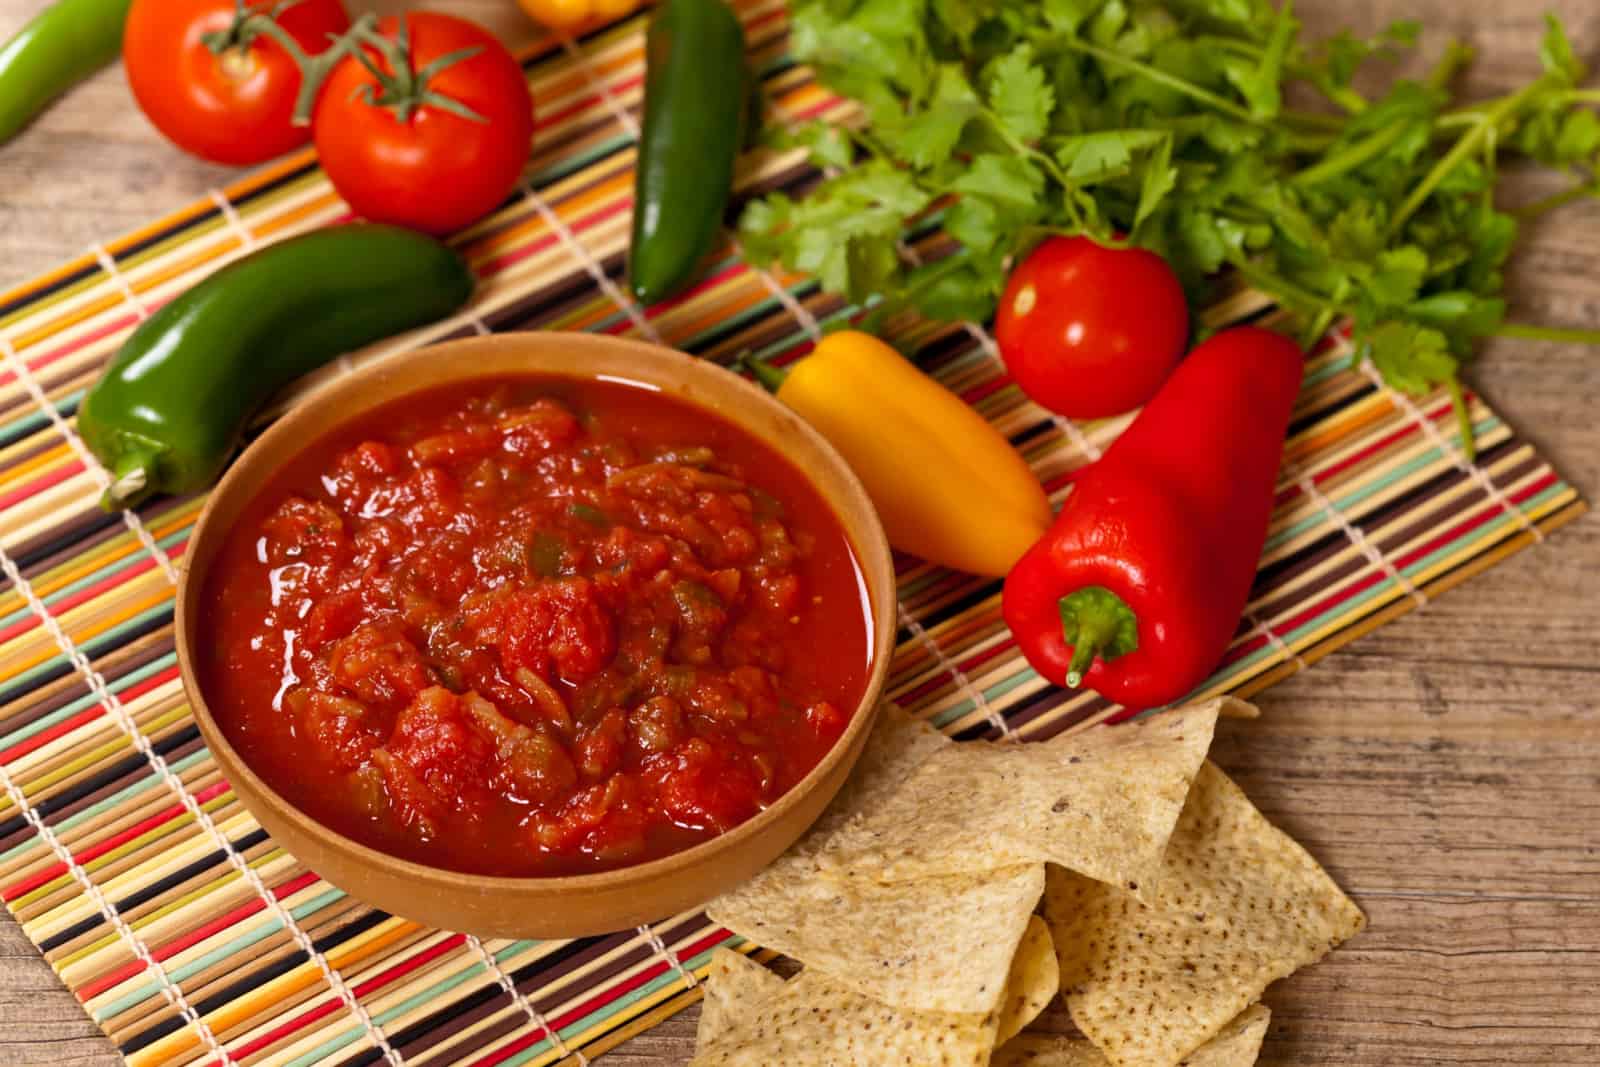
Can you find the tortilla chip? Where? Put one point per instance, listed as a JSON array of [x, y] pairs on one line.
[[897, 745], [1034, 980], [734, 983], [1047, 1050], [941, 944], [1102, 803], [1237, 1046], [1238, 905], [813, 1019]]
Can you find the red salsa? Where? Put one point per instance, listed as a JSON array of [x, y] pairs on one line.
[[536, 627]]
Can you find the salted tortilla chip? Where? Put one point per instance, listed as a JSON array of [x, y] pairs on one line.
[[897, 745], [813, 1019], [734, 984], [1102, 803], [941, 944], [1237, 906], [1034, 980], [1238, 1045], [1047, 1050]]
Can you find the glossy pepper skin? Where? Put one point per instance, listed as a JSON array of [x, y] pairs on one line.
[[947, 486], [696, 97], [577, 16], [172, 404], [1152, 556], [60, 47]]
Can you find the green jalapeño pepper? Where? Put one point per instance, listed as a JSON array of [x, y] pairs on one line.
[[696, 97], [171, 406], [63, 45]]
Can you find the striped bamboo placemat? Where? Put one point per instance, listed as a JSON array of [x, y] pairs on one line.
[[189, 936]]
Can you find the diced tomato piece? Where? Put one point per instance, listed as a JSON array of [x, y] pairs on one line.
[[332, 618], [609, 820], [826, 719], [302, 529], [705, 789], [435, 739], [556, 625], [375, 459], [599, 748], [378, 664], [337, 725], [541, 427], [530, 766], [656, 725]]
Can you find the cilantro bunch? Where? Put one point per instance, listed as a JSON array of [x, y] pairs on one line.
[[1163, 123]]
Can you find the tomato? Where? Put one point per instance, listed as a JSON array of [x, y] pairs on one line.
[[408, 157], [1089, 331], [233, 107]]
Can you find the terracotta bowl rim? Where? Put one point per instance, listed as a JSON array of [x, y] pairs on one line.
[[875, 554]]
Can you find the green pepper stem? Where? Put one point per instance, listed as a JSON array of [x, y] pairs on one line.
[[1096, 622], [132, 480], [770, 377]]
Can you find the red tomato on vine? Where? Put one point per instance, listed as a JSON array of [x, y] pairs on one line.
[[426, 124], [218, 83]]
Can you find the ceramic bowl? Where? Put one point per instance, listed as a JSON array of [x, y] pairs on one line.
[[562, 906]]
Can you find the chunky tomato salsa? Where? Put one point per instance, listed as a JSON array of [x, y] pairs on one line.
[[536, 627]]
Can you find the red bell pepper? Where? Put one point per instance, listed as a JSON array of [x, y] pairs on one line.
[[1137, 587]]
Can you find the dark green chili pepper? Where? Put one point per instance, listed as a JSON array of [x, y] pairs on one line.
[[695, 101], [60, 47], [172, 404]]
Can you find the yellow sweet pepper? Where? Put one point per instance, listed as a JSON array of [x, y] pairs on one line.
[[575, 16], [947, 485]]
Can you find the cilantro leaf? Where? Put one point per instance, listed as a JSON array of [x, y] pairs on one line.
[[1091, 157], [1021, 97], [1160, 178], [1556, 55], [1411, 358], [826, 145], [1259, 83], [1010, 179]]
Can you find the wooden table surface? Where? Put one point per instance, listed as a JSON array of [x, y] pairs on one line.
[[1446, 769]]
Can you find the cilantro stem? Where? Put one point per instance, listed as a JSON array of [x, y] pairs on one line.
[[1281, 287], [1559, 334], [1458, 402], [1456, 56], [1023, 148], [1160, 77], [1332, 123], [1467, 144], [1561, 199], [1352, 157]]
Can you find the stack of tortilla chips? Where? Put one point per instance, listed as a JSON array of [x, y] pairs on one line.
[[1168, 905]]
